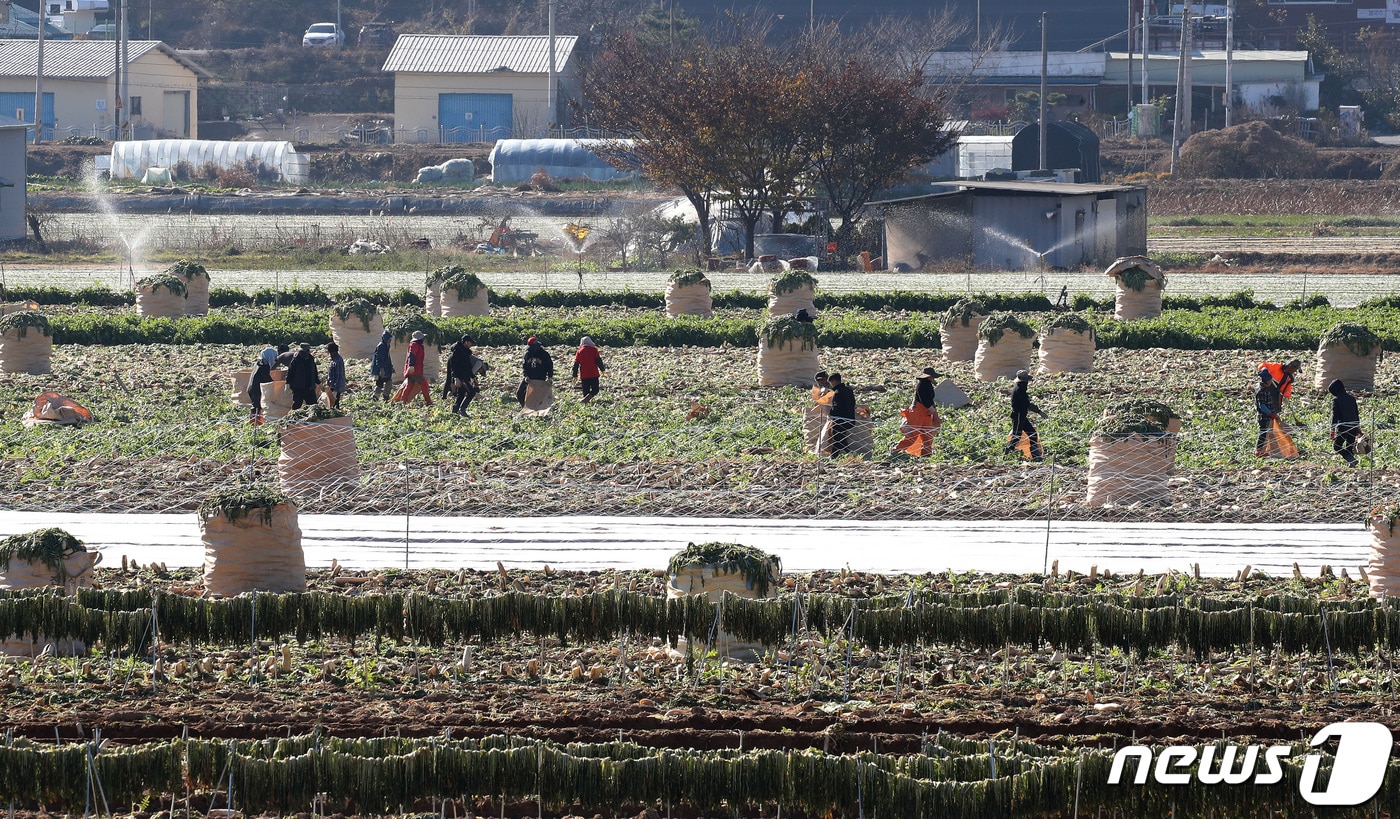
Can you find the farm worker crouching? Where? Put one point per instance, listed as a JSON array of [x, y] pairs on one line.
[[843, 415], [537, 366], [302, 377], [1021, 408], [588, 364], [462, 370], [1283, 376], [1346, 421], [414, 381], [921, 421], [262, 374], [381, 366], [335, 376]]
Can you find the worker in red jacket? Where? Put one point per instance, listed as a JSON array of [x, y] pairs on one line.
[[414, 381], [588, 365]]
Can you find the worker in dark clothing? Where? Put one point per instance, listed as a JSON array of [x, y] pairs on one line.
[[1021, 408], [284, 355], [537, 366], [843, 414], [462, 371], [1346, 421], [262, 374], [302, 377], [335, 376], [1267, 403], [382, 368]]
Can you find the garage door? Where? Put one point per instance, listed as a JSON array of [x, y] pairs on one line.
[[474, 117], [20, 105]]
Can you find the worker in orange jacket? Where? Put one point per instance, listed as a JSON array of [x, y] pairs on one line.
[[1282, 375]]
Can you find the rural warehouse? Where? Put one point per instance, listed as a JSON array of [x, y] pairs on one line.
[[1016, 225]]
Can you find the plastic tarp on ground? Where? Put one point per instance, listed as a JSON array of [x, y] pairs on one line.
[[516, 160], [131, 160]]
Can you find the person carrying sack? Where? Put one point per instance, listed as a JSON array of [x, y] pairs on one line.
[[261, 375], [843, 415], [921, 420], [588, 365], [461, 381], [538, 365], [1268, 403], [414, 381], [302, 377], [1021, 426], [381, 366], [1282, 374]]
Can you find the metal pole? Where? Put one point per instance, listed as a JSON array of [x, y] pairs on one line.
[[39, 78], [1188, 62], [117, 71], [1044, 87], [1229, 62], [122, 109], [407, 515], [553, 78], [1146, 47], [1181, 57], [339, 32], [1131, 21]]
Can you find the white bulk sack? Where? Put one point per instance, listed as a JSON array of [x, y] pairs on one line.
[[30, 355], [250, 554], [689, 300], [1131, 469], [1003, 359], [1063, 350], [355, 339], [960, 340], [317, 455], [1383, 567], [158, 302], [785, 304], [1357, 372], [450, 305], [787, 362]]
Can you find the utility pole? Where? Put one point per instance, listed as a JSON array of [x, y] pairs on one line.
[[1146, 47], [122, 107], [1181, 127], [39, 78], [339, 31], [1131, 26], [117, 73], [1229, 62], [1044, 89], [553, 79]]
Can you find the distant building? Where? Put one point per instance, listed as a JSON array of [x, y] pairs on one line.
[[12, 174], [1017, 225], [24, 25], [451, 88], [80, 88]]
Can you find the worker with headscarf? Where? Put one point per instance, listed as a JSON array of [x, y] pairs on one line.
[[414, 379], [1021, 408], [843, 415], [262, 374], [588, 365], [462, 370], [302, 377], [537, 366], [381, 366], [921, 420]]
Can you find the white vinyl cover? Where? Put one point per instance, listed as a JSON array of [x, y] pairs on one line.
[[516, 160], [131, 159]]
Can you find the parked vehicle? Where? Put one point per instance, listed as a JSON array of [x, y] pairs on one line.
[[323, 34], [376, 35]]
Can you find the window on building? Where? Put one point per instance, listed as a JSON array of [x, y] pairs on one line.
[[135, 106]]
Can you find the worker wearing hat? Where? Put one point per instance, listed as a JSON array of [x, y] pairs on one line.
[[415, 379], [461, 382], [537, 366], [1268, 401], [921, 421], [1021, 408], [1283, 376]]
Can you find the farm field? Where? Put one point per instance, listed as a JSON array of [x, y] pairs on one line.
[[532, 691]]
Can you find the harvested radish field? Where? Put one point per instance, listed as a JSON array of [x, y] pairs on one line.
[[540, 691]]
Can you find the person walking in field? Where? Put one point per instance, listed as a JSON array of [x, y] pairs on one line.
[[537, 366], [1268, 400], [1021, 408], [463, 368], [262, 374], [921, 420], [588, 365], [302, 377], [381, 366], [1346, 422], [414, 380], [843, 414], [1283, 375], [335, 376]]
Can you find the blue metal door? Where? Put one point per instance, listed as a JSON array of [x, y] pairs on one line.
[[474, 117], [20, 105]]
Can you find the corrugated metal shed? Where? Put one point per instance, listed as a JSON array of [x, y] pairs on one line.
[[475, 54], [80, 59], [8, 123]]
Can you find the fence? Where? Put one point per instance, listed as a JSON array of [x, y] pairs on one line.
[[533, 467]]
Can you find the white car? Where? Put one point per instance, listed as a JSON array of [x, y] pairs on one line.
[[323, 34]]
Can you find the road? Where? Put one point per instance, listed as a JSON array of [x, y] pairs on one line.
[[589, 543]]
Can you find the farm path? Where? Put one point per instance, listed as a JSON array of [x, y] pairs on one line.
[[595, 543]]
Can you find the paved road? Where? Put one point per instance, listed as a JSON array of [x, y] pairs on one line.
[[584, 543]]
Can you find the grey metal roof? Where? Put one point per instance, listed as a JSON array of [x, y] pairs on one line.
[[8, 123], [1033, 188], [25, 23], [476, 54], [80, 59]]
